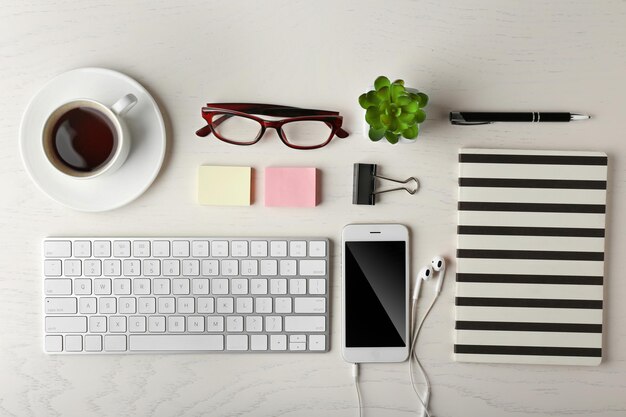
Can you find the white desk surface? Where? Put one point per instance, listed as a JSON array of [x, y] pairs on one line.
[[484, 54]]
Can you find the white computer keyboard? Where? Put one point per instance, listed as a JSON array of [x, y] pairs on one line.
[[125, 295]]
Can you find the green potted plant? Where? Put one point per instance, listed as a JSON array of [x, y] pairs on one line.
[[393, 111]]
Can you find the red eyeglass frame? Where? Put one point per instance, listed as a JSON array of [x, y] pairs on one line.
[[289, 114]]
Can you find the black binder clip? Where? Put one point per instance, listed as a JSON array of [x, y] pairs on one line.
[[364, 185]]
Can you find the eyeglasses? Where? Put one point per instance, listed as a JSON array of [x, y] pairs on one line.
[[298, 128]]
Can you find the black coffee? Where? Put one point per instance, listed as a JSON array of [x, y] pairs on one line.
[[84, 139]]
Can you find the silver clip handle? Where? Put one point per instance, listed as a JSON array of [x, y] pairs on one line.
[[408, 190]]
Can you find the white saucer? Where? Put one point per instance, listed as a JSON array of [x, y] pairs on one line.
[[144, 122]]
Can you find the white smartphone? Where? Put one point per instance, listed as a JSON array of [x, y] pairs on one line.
[[375, 299]]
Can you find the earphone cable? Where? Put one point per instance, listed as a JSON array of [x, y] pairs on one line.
[[413, 354], [355, 376]]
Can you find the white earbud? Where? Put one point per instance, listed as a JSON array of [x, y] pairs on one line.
[[439, 265], [424, 275]]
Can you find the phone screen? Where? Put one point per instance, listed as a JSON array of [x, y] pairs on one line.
[[375, 294]]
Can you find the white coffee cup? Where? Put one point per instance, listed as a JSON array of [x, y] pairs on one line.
[[112, 116]]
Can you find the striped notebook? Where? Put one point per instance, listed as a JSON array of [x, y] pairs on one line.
[[530, 256]]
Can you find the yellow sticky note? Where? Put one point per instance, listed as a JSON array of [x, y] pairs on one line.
[[224, 186]]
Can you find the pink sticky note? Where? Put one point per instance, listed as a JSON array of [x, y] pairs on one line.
[[290, 187]]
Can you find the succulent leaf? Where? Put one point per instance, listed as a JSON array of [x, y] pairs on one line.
[[372, 116], [381, 82], [363, 101], [403, 100], [383, 93], [420, 116], [392, 137], [423, 99], [411, 132], [407, 118], [376, 134], [396, 91], [412, 107], [385, 119]]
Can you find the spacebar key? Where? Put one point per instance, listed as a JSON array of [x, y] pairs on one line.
[[176, 342]]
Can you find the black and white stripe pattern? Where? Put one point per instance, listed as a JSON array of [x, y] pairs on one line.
[[530, 258]]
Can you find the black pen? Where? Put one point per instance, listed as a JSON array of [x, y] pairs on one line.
[[467, 118]]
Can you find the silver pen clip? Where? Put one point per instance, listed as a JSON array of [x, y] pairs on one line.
[[457, 119]]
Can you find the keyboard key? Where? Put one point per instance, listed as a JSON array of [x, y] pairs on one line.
[[297, 248], [278, 248], [258, 249], [244, 305], [156, 324], [141, 286], [73, 343], [72, 267], [176, 324], [57, 286], [239, 248], [107, 305], [254, 323], [278, 286], [112, 267], [206, 305], [263, 305], [151, 267], [93, 267], [305, 323], [258, 286], [66, 324], [186, 305], [230, 267], [219, 248], [317, 248], [215, 324], [141, 248], [187, 342], [127, 305], [61, 305], [297, 346], [200, 249], [224, 305], [312, 267], [195, 324], [234, 324], [115, 343], [249, 267], [102, 286], [121, 286], [52, 268], [210, 267], [137, 324], [282, 305], [219, 286], [258, 342], [102, 249], [297, 286], [317, 286], [161, 286], [180, 286], [161, 248], [237, 342], [117, 324], [200, 286], [97, 324], [269, 267], [93, 343], [171, 267], [180, 248], [167, 305], [131, 267], [274, 323], [146, 305], [297, 338], [239, 286], [121, 248], [87, 305], [309, 305], [278, 342], [57, 249], [191, 267], [82, 248], [287, 267], [54, 344]]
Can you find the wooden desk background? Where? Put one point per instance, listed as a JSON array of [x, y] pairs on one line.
[[484, 54]]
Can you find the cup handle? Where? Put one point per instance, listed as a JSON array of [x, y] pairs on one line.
[[123, 105]]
